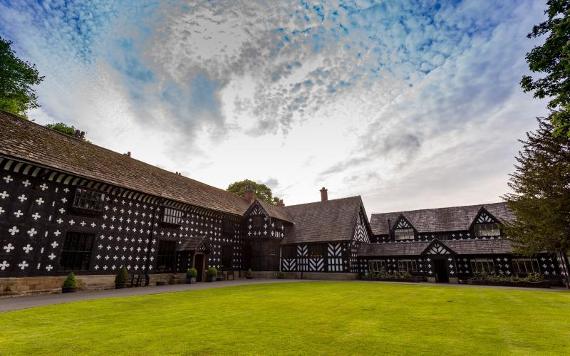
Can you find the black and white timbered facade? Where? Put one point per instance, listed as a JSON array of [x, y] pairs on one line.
[[68, 205]]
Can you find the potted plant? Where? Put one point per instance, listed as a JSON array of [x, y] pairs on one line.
[[121, 278], [70, 284], [191, 275], [212, 274], [249, 274]]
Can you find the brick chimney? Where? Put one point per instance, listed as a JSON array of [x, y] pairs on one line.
[[324, 194], [249, 194], [280, 203]]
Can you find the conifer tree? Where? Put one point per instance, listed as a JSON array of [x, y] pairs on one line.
[[541, 193]]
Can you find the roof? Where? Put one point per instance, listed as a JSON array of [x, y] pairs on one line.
[[25, 140], [275, 211], [331, 220], [457, 218], [462, 247], [191, 244]]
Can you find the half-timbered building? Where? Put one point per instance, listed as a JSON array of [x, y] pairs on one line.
[[69, 205], [451, 244]]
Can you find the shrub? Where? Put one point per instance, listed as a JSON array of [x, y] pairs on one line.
[[212, 272], [191, 273], [121, 278], [249, 274], [70, 282]]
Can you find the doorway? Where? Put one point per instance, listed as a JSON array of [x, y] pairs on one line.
[[441, 274], [199, 265]]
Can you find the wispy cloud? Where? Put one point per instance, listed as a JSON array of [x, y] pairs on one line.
[[374, 92]]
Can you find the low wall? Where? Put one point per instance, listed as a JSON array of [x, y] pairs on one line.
[[52, 284]]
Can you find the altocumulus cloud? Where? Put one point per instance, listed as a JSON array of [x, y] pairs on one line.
[[421, 92]]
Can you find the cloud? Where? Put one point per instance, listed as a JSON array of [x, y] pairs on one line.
[[375, 92]]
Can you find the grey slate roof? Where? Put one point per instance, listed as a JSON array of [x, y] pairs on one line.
[[462, 247], [458, 218], [25, 140], [275, 211], [332, 220]]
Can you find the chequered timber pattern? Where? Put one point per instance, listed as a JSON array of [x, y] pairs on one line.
[[336, 259], [268, 228], [35, 216]]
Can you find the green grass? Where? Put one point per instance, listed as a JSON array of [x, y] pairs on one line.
[[297, 318]]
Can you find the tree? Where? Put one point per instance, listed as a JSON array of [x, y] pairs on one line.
[[63, 128], [16, 80], [262, 191], [540, 200], [552, 60]]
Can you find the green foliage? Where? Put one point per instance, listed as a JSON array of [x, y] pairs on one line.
[[16, 80], [262, 191], [121, 277], [552, 61], [70, 282], [540, 200], [63, 128], [212, 272], [192, 273]]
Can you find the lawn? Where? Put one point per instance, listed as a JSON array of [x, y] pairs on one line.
[[296, 318]]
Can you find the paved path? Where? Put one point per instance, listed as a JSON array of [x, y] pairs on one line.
[[15, 303]]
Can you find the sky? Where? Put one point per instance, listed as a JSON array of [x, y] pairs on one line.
[[410, 104]]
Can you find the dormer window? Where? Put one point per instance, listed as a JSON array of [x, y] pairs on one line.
[[172, 216], [88, 200], [486, 226], [403, 230], [487, 230]]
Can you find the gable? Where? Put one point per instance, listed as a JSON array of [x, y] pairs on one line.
[[437, 247], [402, 223]]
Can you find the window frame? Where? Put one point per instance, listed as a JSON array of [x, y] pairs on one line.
[[404, 232], [480, 228], [482, 265], [71, 250], [88, 200], [526, 262], [162, 256], [171, 216]]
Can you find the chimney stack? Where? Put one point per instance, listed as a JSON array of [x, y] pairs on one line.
[[128, 154], [280, 203], [324, 194], [249, 194]]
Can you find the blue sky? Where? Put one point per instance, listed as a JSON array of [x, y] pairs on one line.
[[410, 104]]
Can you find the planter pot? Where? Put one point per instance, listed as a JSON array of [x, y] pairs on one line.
[[190, 280], [120, 285], [211, 278], [68, 290]]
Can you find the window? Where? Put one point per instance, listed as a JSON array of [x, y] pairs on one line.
[[317, 251], [524, 266], [377, 266], [404, 234], [482, 265], [172, 216], [76, 253], [487, 230], [258, 221], [227, 257], [88, 200], [407, 266], [166, 256]]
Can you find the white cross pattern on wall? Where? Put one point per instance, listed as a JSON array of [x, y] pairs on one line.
[[4, 265], [8, 179], [9, 247], [4, 195], [23, 265], [14, 230]]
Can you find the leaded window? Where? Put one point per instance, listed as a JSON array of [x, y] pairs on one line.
[[172, 216], [407, 266], [377, 266], [166, 258], [76, 253], [85, 199], [403, 234], [482, 265], [487, 230], [524, 266]]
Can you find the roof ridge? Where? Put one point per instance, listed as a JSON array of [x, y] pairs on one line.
[[441, 208], [320, 202]]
